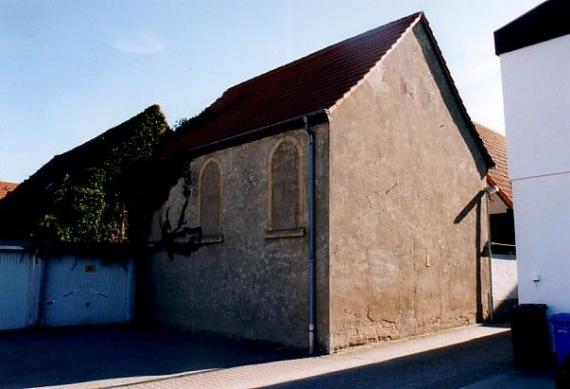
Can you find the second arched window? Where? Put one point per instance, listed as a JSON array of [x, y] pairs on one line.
[[285, 188]]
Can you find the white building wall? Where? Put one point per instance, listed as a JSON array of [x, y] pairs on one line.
[[536, 93], [536, 90], [542, 223]]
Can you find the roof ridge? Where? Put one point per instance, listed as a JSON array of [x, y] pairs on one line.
[[112, 131], [418, 16], [316, 82], [226, 94], [362, 35]]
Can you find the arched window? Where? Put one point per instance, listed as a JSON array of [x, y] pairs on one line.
[[210, 199], [284, 187]]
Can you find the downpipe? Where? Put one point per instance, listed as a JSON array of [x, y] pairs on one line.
[[491, 303], [312, 186]]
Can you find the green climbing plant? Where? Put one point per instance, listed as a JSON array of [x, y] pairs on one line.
[[92, 204]]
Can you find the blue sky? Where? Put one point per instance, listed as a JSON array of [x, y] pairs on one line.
[[71, 69]]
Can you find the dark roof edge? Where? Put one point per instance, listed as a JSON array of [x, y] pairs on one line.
[[113, 130], [110, 132], [544, 22], [316, 117], [468, 122]]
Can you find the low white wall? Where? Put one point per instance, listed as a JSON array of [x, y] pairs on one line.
[[504, 279]]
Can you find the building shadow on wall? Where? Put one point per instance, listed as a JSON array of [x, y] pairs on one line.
[[501, 311], [454, 105], [46, 357], [475, 204], [504, 309]]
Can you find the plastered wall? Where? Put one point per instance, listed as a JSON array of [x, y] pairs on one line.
[[406, 222], [247, 286]]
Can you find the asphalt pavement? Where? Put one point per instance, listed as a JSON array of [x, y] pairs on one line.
[[122, 356]]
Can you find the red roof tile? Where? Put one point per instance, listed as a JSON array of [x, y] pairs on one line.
[[496, 144], [6, 187], [311, 84]]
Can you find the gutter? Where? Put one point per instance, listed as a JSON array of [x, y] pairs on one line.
[[312, 186], [490, 253], [319, 116], [487, 193]]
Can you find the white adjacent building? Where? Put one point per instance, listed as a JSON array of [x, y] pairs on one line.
[[534, 51]]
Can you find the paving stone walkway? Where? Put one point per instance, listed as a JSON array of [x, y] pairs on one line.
[[475, 357]]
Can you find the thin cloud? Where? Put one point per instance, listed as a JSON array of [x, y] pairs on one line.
[[134, 42]]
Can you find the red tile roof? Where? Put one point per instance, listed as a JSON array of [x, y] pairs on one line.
[[496, 144], [6, 187], [311, 84]]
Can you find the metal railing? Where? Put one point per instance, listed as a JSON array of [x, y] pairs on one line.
[[503, 248]]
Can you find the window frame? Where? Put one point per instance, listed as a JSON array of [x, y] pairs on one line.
[[218, 237], [298, 230]]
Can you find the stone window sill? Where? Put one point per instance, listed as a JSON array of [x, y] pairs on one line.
[[209, 239], [298, 232]]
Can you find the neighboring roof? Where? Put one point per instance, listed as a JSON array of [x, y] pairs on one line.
[[548, 20], [311, 84], [21, 208], [496, 144], [6, 187]]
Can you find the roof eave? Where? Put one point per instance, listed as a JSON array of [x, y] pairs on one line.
[[546, 21], [501, 193], [315, 117]]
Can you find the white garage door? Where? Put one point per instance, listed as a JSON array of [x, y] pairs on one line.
[[83, 290], [20, 274]]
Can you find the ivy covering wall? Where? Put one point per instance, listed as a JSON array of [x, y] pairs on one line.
[[88, 194]]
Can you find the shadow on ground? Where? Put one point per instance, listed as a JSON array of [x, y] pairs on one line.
[[457, 366], [61, 356]]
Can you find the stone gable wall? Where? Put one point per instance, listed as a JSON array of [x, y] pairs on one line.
[[403, 168]]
